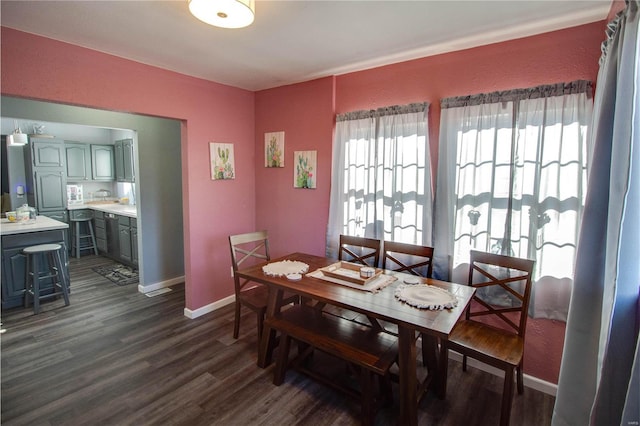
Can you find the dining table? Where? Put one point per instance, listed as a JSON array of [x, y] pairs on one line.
[[378, 305]]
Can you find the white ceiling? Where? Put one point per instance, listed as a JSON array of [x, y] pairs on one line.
[[292, 41]]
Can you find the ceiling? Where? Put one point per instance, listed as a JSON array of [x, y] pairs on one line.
[[292, 41]]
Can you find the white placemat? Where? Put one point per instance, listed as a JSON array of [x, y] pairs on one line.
[[373, 286], [285, 267], [426, 297]]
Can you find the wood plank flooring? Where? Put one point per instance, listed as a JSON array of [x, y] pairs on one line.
[[118, 357]]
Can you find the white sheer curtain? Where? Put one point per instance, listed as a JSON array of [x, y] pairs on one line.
[[381, 176], [511, 180], [600, 372]]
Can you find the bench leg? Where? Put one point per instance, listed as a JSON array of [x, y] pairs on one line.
[[283, 359], [366, 389]]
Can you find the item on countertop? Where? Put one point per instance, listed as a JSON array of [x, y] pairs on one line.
[[102, 193], [284, 268], [25, 214], [11, 216]]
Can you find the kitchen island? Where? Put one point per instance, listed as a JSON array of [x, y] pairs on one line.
[[17, 236]]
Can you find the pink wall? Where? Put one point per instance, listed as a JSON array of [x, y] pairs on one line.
[[295, 218], [64, 73], [559, 56]]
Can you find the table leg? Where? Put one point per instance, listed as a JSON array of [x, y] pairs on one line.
[[267, 343], [408, 381]]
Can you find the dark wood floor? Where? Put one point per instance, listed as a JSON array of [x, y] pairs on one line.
[[118, 357]]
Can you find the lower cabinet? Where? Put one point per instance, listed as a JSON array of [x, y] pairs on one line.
[[117, 237], [14, 263], [61, 216], [124, 231], [100, 228]]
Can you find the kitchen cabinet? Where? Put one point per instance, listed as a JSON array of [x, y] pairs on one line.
[[46, 173], [125, 243], [134, 242], [47, 152], [60, 216], [124, 160], [50, 190], [78, 158], [100, 228], [14, 262], [102, 157], [121, 237]]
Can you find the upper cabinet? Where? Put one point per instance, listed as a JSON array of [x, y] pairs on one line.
[[102, 157], [47, 152], [78, 156], [124, 161]]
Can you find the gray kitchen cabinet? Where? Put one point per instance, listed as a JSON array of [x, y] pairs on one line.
[[61, 216], [50, 190], [124, 230], [46, 171], [78, 158], [124, 160], [100, 229], [47, 152], [134, 242], [102, 157], [117, 237], [14, 263]]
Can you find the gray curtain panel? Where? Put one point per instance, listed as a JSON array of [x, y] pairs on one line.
[[598, 382]]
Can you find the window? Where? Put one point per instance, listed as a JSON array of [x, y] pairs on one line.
[[512, 180], [381, 178]]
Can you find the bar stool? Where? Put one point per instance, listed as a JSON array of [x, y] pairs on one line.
[[82, 241], [55, 272]]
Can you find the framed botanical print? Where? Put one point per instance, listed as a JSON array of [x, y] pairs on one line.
[[222, 161], [274, 149], [304, 174]]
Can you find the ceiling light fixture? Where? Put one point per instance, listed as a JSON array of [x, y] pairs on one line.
[[17, 138], [224, 13]]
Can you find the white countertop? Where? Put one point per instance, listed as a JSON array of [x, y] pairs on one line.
[[42, 223], [121, 209]]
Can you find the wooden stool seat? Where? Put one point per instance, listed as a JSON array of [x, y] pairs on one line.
[[55, 273], [80, 241]]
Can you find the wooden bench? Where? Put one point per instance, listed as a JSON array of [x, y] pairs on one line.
[[369, 350]]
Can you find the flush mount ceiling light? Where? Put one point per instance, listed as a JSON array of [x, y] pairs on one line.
[[224, 13]]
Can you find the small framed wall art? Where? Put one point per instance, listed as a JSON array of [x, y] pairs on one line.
[[274, 149], [304, 174], [222, 161]]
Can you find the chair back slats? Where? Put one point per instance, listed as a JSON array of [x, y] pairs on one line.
[[503, 286], [408, 258], [365, 251], [246, 247]]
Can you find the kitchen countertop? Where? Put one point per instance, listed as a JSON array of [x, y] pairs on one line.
[[42, 223], [121, 209]]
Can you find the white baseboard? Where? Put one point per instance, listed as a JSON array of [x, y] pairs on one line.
[[209, 308], [162, 284], [529, 381]]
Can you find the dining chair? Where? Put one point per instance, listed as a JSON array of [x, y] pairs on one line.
[[365, 251], [407, 258], [410, 259], [251, 247], [493, 329]]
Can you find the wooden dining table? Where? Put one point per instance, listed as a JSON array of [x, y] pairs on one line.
[[435, 324]]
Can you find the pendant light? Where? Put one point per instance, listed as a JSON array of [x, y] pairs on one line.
[[224, 13], [17, 138]]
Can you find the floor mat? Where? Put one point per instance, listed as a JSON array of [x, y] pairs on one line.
[[118, 273]]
